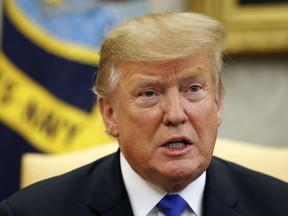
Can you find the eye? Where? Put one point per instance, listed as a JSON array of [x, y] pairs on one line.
[[194, 88], [194, 91], [148, 94], [147, 98]]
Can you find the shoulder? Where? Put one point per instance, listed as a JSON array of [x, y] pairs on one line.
[[244, 176], [251, 187], [235, 190], [73, 187]]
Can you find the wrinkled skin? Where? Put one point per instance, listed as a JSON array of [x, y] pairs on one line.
[[158, 103]]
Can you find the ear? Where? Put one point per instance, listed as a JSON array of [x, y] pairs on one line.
[[108, 116], [219, 104]]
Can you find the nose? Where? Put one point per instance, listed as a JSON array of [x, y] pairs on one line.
[[173, 109]]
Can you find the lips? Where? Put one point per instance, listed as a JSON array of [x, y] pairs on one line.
[[177, 143]]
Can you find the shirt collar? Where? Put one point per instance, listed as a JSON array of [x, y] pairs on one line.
[[144, 196]]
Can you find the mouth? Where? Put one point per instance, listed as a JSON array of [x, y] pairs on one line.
[[177, 144]]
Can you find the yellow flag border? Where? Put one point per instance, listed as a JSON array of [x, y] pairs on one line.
[[48, 123], [64, 49]]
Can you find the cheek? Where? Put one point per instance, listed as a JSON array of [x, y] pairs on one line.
[[205, 114], [206, 123], [139, 120], [136, 132]]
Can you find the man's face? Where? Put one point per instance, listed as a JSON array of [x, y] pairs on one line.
[[165, 118]]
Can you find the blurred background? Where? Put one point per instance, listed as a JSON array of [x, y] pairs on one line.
[[49, 58]]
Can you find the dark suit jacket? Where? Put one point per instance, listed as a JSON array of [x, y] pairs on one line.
[[98, 189]]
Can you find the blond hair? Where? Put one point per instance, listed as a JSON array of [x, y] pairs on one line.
[[160, 37]]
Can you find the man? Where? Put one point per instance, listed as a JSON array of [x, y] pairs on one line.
[[160, 95]]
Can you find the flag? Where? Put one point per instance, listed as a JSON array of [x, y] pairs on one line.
[[48, 63]]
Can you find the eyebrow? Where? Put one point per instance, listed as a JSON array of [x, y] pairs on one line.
[[193, 75], [147, 80]]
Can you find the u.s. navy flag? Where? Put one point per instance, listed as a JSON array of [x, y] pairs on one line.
[[48, 58]]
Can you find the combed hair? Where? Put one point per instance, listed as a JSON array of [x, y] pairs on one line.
[[160, 37]]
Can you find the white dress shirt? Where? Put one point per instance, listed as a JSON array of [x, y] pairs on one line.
[[144, 196]]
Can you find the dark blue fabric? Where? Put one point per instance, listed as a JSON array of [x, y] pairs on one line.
[[68, 80], [98, 189], [12, 146], [172, 205]]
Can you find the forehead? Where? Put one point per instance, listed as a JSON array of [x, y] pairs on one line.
[[190, 67]]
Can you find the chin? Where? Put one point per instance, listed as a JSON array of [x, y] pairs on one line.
[[187, 169], [176, 183], [178, 179]]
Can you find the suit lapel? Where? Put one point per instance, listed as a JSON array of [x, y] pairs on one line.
[[109, 197], [220, 196], [108, 194]]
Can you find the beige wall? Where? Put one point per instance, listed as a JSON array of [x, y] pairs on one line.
[[256, 101]]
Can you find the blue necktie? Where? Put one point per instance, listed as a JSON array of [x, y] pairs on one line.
[[172, 205]]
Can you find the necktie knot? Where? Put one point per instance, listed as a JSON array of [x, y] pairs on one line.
[[172, 205]]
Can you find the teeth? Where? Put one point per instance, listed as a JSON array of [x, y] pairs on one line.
[[175, 145]]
